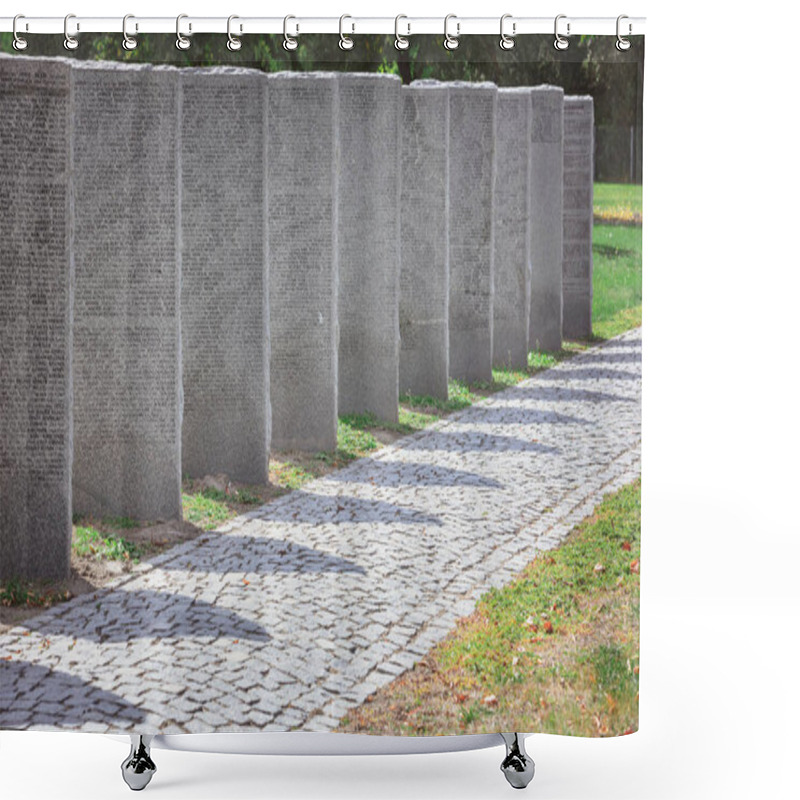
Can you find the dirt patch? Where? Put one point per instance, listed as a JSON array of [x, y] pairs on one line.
[[88, 574]]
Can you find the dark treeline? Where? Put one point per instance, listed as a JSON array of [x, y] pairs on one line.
[[591, 65]]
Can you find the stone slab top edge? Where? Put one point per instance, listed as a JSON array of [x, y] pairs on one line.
[[482, 85], [547, 87], [578, 98], [288, 75], [223, 70], [520, 91], [364, 76]]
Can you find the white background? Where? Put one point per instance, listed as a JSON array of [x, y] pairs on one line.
[[720, 599]]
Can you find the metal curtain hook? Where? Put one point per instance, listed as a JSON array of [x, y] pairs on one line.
[[401, 42], [19, 43], [561, 42], [506, 41], [70, 42], [128, 42], [289, 42], [622, 44], [345, 42], [234, 42], [182, 42], [451, 42]]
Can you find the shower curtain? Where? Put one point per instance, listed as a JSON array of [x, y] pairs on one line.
[[320, 376]]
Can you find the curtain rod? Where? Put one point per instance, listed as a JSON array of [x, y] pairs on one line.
[[297, 26]]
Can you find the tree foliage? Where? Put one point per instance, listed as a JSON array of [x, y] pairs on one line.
[[591, 64]]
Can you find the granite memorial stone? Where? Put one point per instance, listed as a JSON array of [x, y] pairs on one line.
[[225, 283], [471, 230], [127, 349], [512, 235], [302, 187], [578, 216], [36, 284], [424, 241], [369, 244], [547, 179]]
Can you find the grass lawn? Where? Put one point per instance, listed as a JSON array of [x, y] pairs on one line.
[[617, 254], [556, 650], [620, 202]]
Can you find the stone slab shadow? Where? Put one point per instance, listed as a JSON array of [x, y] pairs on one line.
[[424, 241], [369, 244], [225, 278], [36, 295], [578, 215]]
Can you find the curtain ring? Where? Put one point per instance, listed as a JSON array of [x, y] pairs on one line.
[[289, 42], [70, 42], [234, 42], [182, 42], [506, 41], [451, 42], [345, 42], [622, 44], [19, 43], [128, 42], [561, 42], [401, 42]]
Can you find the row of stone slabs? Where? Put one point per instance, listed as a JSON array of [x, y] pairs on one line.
[[197, 264]]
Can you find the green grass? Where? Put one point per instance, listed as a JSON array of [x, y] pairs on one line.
[[617, 254], [609, 196], [15, 592], [87, 541], [206, 509], [617, 303], [556, 650], [554, 588], [289, 475]]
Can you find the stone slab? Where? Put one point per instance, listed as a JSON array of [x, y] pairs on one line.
[[547, 187], [578, 215], [302, 179], [369, 244], [512, 224], [127, 364], [472, 186], [225, 278], [36, 285], [424, 241]]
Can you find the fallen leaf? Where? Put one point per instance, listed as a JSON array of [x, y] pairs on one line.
[[626, 545], [598, 568], [635, 566], [548, 626], [461, 697], [490, 700]]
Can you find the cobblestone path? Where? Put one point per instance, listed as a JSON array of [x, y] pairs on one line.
[[291, 615]]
